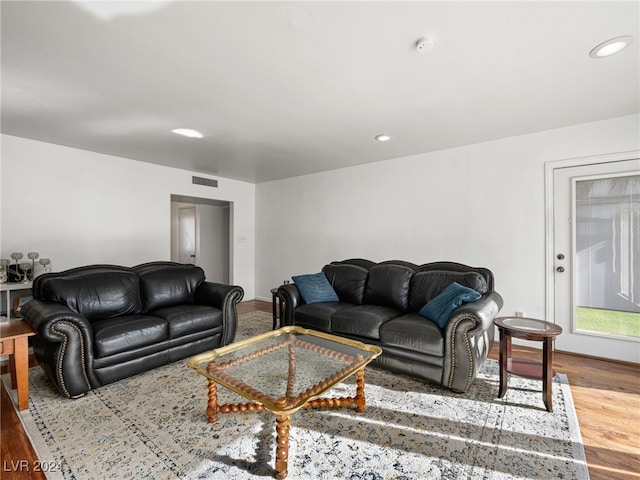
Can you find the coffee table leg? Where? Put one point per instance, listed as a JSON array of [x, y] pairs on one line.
[[212, 404], [505, 356], [360, 400], [547, 372], [283, 425]]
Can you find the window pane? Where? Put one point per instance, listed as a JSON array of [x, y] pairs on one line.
[[608, 255]]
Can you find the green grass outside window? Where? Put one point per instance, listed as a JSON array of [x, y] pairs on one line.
[[608, 321]]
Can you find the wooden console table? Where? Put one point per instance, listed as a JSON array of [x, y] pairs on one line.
[[14, 341]]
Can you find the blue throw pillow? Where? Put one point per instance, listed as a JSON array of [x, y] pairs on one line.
[[440, 308], [315, 288]]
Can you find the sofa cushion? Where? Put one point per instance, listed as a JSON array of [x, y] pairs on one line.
[[166, 285], [439, 309], [190, 345], [425, 286], [388, 286], [96, 293], [411, 332], [362, 320], [317, 316], [348, 281], [187, 319], [127, 364], [315, 288], [115, 335]]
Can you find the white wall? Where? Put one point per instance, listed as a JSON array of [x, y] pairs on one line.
[[78, 207], [481, 204]]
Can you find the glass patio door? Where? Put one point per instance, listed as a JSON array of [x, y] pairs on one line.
[[596, 215]]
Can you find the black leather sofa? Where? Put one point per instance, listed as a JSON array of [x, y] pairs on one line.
[[101, 323], [379, 304]]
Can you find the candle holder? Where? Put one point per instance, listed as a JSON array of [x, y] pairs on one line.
[[14, 271], [17, 256], [25, 267], [32, 256], [45, 262]]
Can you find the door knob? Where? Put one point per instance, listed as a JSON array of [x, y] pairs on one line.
[[560, 269]]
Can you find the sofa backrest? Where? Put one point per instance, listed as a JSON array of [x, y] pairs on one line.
[[428, 284], [388, 286], [360, 262], [105, 291], [348, 281], [404, 263], [165, 284], [460, 267], [96, 291], [400, 284]]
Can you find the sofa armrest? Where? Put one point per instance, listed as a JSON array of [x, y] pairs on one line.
[[484, 309], [42, 316], [63, 346], [291, 299], [468, 339], [224, 297]]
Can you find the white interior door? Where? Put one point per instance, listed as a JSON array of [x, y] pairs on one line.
[[187, 234], [596, 250]]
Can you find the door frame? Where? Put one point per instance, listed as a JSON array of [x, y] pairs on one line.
[[197, 201], [549, 169]]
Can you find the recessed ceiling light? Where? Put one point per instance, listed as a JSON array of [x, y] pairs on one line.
[[610, 47], [383, 137], [188, 132]]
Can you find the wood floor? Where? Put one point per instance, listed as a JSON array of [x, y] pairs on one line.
[[606, 395]]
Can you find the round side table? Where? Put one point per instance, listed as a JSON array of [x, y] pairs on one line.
[[527, 329]]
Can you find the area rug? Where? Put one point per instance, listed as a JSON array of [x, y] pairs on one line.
[[154, 426]]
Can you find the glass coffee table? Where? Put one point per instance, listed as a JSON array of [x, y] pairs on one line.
[[283, 371]]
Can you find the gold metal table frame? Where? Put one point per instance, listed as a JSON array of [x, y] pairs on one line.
[[325, 361]]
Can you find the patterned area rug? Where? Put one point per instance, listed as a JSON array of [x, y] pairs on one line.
[[154, 426]]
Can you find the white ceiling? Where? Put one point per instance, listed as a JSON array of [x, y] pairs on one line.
[[281, 89]]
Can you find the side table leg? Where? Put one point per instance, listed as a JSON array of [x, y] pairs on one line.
[[19, 366], [212, 403], [283, 425], [547, 372], [280, 311], [274, 313], [505, 357]]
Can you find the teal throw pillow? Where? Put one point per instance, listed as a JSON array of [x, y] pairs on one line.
[[315, 288], [440, 308]]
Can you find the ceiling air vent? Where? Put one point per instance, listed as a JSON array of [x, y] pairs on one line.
[[205, 181]]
